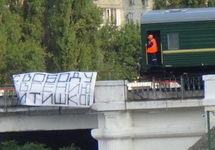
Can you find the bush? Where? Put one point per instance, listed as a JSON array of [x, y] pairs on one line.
[[13, 145], [71, 147]]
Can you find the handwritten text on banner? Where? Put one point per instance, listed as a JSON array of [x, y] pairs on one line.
[[75, 89]]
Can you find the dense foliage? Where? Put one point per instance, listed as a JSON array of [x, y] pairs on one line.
[[164, 4], [57, 36], [121, 51], [13, 145]]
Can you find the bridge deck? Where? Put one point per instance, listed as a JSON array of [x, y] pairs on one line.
[[156, 89]]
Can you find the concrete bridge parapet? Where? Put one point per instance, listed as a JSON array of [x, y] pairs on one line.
[[209, 98], [110, 95], [121, 124], [148, 125]]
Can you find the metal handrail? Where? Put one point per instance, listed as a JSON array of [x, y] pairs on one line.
[[168, 88], [8, 96]]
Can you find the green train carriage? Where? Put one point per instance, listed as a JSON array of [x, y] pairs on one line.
[[185, 37]]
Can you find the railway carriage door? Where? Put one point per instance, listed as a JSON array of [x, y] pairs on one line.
[[156, 35]]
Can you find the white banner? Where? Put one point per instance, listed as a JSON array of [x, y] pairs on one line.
[[74, 89]]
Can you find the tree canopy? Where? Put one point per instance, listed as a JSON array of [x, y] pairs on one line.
[[57, 36], [14, 145], [170, 4]]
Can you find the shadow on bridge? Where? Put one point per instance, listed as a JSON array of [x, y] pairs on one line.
[[54, 139]]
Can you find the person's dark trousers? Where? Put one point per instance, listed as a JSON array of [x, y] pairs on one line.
[[152, 59]]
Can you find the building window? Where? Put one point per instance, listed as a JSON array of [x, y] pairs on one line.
[[129, 17], [112, 16], [145, 3], [131, 2], [173, 41]]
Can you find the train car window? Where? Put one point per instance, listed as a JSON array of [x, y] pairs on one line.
[[173, 41]]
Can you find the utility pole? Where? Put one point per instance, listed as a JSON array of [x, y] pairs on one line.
[[209, 130]]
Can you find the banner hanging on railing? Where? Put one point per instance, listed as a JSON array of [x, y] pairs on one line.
[[74, 89]]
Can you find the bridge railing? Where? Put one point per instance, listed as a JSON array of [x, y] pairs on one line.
[[168, 88], [8, 95], [155, 89]]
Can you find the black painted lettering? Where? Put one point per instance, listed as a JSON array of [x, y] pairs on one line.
[[70, 99], [34, 96], [59, 98], [39, 77], [88, 77], [63, 77], [47, 97], [26, 78], [51, 78], [22, 98]]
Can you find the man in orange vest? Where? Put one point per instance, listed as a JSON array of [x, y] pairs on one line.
[[152, 50]]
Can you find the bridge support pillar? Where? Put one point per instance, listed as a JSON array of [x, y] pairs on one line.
[[114, 122], [150, 125], [114, 132]]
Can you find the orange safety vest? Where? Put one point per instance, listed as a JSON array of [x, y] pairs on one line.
[[153, 48]]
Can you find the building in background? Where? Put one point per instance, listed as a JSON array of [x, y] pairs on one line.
[[120, 12], [132, 9], [112, 11]]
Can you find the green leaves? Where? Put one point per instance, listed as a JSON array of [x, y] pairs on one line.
[[71, 147], [170, 4], [72, 27], [121, 48], [56, 36], [211, 3], [13, 145], [20, 41]]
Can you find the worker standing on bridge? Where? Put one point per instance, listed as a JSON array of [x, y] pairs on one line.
[[152, 50]]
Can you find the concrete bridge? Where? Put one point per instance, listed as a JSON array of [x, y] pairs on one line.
[[120, 121]]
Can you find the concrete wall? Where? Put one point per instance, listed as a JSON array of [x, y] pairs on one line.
[[168, 129], [112, 10], [108, 3], [148, 125], [126, 10], [134, 8], [209, 100], [48, 118], [119, 124]]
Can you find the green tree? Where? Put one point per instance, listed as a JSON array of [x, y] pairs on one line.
[[129, 51], [3, 45], [19, 52], [159, 4], [9, 145], [33, 21], [211, 3], [71, 34], [108, 35], [33, 146], [66, 35], [121, 48], [12, 34], [167, 4], [71, 147], [14, 145]]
